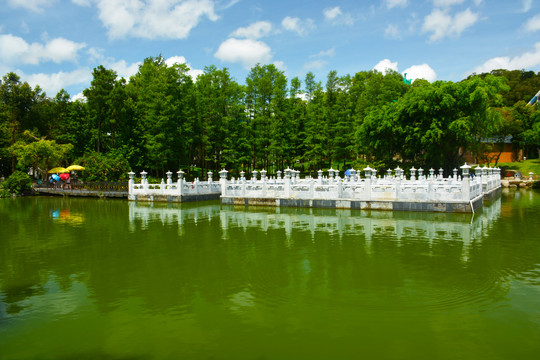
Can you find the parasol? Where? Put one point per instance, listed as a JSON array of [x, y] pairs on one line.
[[58, 170], [74, 168]]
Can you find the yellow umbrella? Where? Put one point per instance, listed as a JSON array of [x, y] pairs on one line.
[[74, 168], [58, 170]]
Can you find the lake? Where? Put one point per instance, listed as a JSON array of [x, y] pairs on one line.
[[112, 279]]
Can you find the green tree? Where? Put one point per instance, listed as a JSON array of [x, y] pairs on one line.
[[41, 155], [165, 108], [99, 100], [266, 92], [16, 101], [223, 142]]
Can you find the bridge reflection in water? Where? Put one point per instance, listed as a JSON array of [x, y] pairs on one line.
[[367, 225]]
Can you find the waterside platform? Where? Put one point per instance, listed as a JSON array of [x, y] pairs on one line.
[[179, 191], [393, 191], [92, 189]]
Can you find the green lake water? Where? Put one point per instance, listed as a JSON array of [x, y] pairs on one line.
[[112, 279]]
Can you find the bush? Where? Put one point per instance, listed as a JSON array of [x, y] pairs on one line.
[[18, 183]]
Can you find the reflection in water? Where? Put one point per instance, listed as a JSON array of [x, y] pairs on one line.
[[66, 216], [466, 228], [210, 281]]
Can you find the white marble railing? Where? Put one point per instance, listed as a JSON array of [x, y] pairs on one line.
[[170, 188], [391, 187]]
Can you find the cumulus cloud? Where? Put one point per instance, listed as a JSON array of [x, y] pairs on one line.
[[423, 71], [182, 60], [53, 83], [302, 27], [254, 31], [123, 69], [32, 5], [525, 61], [441, 24], [533, 24], [384, 65], [78, 97], [394, 3], [172, 19], [337, 17], [248, 52], [14, 49]]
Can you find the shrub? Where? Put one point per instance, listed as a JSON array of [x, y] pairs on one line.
[[18, 183]]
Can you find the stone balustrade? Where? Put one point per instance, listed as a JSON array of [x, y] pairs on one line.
[[353, 189], [170, 191], [392, 186]]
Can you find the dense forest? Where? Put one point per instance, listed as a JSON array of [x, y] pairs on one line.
[[161, 119]]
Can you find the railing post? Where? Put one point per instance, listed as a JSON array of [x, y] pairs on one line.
[[144, 182], [223, 181], [131, 182], [180, 185], [243, 181], [465, 182], [367, 184], [169, 178], [287, 183]]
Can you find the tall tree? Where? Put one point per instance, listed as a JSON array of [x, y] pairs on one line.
[[99, 96]]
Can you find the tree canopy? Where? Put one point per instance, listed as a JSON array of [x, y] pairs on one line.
[[163, 119]]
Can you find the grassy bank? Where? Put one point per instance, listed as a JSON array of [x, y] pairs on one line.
[[525, 167]]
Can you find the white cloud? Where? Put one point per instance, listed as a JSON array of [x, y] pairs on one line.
[[384, 65], [525, 61], [423, 71], [280, 65], [527, 5], [254, 31], [392, 31], [52, 83], [248, 52], [330, 52], [79, 97], [182, 60], [123, 69], [446, 3], [32, 5], [393, 3], [442, 24], [337, 17], [169, 19], [533, 24], [316, 64], [297, 25], [14, 49]]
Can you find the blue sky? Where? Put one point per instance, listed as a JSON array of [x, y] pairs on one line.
[[57, 43]]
